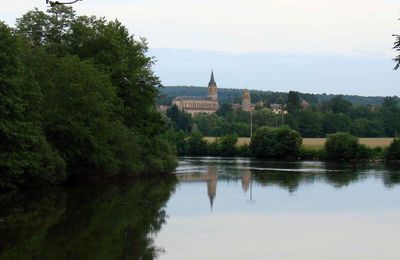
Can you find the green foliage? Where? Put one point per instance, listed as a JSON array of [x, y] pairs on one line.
[[293, 104], [196, 145], [227, 145], [243, 150], [345, 147], [311, 123], [236, 122], [392, 153], [306, 153], [265, 117], [224, 109], [275, 143], [327, 114], [77, 93], [180, 120], [226, 95], [338, 105], [25, 155]]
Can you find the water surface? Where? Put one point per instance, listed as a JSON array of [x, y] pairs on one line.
[[243, 209], [220, 209]]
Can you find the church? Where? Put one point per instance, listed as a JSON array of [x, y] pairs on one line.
[[195, 105]]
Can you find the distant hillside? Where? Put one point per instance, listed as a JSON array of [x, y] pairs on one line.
[[235, 96]]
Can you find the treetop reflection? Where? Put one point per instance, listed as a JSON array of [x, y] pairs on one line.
[[286, 175]]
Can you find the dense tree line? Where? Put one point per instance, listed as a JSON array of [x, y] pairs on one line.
[[279, 141], [334, 115], [77, 96], [226, 95]]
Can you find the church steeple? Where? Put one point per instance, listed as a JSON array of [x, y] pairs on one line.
[[212, 88], [212, 80]]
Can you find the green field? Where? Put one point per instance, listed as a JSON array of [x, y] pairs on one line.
[[319, 142]]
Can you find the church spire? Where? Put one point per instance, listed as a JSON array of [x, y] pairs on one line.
[[212, 81]]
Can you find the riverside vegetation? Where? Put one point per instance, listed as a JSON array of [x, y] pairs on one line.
[[282, 143], [315, 121], [77, 98]]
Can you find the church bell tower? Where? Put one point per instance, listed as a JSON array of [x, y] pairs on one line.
[[212, 88]]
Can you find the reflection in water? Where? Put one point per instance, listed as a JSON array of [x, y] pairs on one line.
[[246, 178], [294, 202], [302, 210], [287, 175], [210, 177], [99, 221]]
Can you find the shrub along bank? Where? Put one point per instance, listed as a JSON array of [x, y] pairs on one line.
[[283, 144]]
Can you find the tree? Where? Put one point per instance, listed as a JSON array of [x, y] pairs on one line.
[[275, 143], [390, 102], [196, 145], [392, 153], [342, 146], [294, 102], [224, 109], [311, 123], [81, 94], [390, 114], [265, 117], [227, 145], [180, 119], [338, 105], [82, 128], [336, 123], [25, 155]]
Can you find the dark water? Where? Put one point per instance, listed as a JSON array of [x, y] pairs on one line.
[[96, 221], [220, 209]]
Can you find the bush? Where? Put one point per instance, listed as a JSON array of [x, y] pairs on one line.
[[345, 147], [392, 153], [196, 145], [275, 143], [364, 152], [244, 151], [227, 145]]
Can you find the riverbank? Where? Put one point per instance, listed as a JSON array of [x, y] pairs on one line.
[[337, 147], [319, 142]]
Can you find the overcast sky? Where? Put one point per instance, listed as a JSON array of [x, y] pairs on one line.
[[236, 34]]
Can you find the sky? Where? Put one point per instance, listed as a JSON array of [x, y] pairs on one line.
[[317, 46]]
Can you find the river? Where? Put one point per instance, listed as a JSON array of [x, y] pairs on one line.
[[220, 208]]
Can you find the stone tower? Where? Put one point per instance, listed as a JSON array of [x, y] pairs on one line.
[[246, 102], [212, 88]]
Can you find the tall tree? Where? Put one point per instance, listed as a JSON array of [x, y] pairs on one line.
[[25, 155], [83, 86], [293, 103]]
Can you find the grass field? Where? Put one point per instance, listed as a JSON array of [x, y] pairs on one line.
[[319, 142]]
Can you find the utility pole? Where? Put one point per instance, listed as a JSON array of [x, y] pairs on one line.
[[251, 122]]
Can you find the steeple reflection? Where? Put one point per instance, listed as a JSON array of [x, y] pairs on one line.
[[246, 178], [210, 177]]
